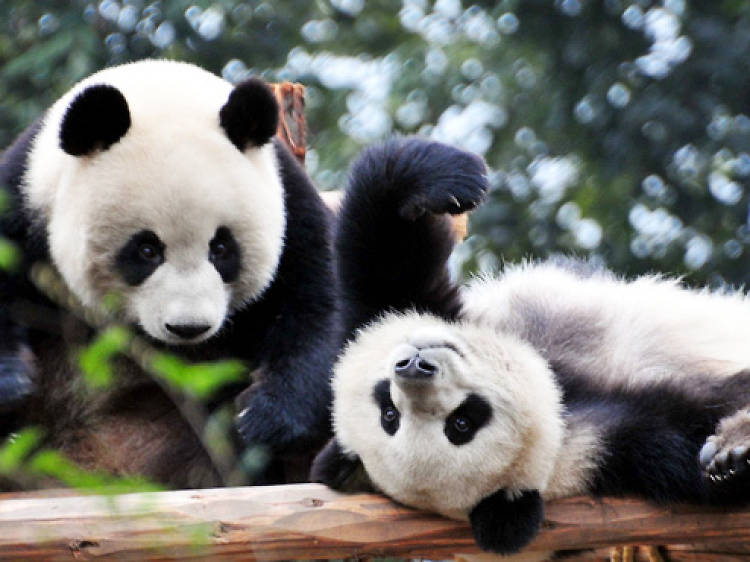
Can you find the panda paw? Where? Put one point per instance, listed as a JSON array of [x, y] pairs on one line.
[[439, 178], [264, 419], [505, 522], [725, 456], [16, 384]]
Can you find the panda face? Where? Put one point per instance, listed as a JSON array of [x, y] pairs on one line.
[[175, 211], [182, 251], [442, 415]]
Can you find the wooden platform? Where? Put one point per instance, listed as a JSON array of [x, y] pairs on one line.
[[312, 522]]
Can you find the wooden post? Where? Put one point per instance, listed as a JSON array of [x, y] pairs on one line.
[[312, 522], [292, 124]]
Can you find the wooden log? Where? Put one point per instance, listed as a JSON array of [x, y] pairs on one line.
[[312, 522]]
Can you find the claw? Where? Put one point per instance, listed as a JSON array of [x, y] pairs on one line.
[[707, 453]]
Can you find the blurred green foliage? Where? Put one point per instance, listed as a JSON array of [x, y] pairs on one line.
[[24, 461], [95, 360], [197, 380], [616, 128]]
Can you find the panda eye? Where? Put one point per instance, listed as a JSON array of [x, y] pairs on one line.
[[390, 417], [218, 250], [390, 414], [461, 424], [139, 257], [465, 421], [224, 253], [148, 252]]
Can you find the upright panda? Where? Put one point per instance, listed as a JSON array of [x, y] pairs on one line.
[[553, 379], [161, 183]]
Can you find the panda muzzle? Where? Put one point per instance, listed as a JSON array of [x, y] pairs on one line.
[[414, 371]]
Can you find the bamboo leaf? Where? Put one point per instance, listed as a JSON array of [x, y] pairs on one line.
[[95, 360], [17, 447]]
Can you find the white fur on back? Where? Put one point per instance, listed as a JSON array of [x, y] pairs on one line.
[[174, 172], [614, 330]]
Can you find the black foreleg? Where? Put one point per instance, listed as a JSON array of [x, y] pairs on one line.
[[393, 238]]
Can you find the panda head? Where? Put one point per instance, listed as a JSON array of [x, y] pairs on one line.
[[156, 181], [446, 417]]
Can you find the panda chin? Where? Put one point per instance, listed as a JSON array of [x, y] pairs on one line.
[[184, 342]]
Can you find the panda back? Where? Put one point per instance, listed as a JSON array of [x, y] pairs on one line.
[[612, 330]]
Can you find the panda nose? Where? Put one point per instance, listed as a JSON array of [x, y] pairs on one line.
[[188, 331], [415, 368]]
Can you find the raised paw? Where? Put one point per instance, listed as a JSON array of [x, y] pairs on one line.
[[725, 456], [439, 178]]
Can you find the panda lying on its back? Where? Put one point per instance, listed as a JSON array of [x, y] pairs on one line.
[[161, 183], [554, 379]]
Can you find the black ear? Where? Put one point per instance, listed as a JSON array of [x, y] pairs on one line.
[[96, 119], [340, 471], [251, 114], [504, 525]]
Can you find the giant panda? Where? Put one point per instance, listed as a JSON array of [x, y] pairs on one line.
[[552, 379], [162, 183]]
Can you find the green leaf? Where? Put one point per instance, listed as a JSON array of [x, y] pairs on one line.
[[95, 360], [206, 378], [200, 380], [17, 447], [10, 256]]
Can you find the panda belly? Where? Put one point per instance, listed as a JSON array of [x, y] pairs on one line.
[[129, 428], [161, 450]]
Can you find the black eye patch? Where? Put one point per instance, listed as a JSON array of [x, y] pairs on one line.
[[464, 422], [141, 255], [390, 417], [224, 253]]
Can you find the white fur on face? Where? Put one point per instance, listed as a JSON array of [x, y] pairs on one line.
[[175, 173], [418, 465], [180, 297]]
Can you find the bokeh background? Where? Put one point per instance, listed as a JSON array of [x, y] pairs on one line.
[[618, 129]]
